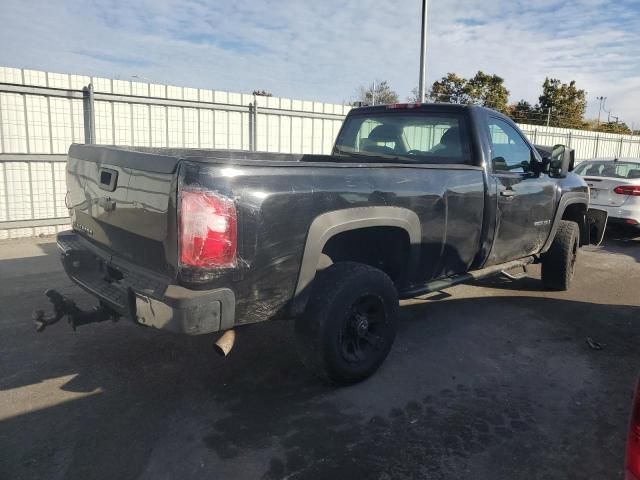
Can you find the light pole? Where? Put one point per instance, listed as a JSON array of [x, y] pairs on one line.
[[423, 54]]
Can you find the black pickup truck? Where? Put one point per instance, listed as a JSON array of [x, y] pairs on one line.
[[413, 199]]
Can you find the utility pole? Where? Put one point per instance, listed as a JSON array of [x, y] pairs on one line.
[[608, 112], [548, 115], [423, 54], [602, 101]]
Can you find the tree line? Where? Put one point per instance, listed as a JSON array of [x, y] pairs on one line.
[[559, 104]]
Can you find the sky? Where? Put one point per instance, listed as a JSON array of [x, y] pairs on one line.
[[324, 50]]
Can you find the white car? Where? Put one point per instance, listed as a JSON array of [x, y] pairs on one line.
[[615, 187]]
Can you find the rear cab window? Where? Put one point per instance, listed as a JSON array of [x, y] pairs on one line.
[[417, 136]]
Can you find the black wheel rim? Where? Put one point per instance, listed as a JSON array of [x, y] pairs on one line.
[[362, 334]]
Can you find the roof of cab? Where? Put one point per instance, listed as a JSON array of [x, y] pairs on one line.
[[437, 106], [410, 106]]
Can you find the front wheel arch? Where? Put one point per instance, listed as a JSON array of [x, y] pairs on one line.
[[581, 199]]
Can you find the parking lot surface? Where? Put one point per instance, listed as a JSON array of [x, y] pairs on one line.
[[496, 380]]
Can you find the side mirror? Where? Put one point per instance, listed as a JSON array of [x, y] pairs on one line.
[[562, 160], [536, 168]]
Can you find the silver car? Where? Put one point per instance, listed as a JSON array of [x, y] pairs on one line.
[[615, 187]]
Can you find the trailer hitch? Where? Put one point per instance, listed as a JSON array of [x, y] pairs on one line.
[[63, 306]]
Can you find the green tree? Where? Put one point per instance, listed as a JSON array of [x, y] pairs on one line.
[[488, 91], [450, 89], [522, 112], [414, 97], [614, 127], [482, 89], [377, 94], [567, 102]]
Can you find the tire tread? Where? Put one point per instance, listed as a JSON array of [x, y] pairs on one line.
[[311, 327], [556, 262]]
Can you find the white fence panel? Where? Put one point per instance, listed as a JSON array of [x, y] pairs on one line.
[[42, 113]]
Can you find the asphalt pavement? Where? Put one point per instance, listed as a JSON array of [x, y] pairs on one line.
[[495, 380]]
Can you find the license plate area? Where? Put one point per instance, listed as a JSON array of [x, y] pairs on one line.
[[93, 274]]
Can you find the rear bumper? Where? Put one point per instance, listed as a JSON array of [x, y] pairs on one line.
[[624, 222], [144, 297], [621, 215]]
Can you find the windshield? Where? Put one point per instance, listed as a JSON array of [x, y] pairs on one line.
[[609, 168], [412, 137]]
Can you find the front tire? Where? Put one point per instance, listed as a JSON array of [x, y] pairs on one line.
[[349, 323], [559, 262]]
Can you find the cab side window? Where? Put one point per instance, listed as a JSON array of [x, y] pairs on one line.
[[509, 151]]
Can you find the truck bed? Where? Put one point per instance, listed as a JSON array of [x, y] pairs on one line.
[[277, 198]]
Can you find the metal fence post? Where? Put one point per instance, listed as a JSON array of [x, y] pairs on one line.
[[595, 154], [89, 114], [535, 135], [253, 118], [620, 149], [569, 139], [252, 134]]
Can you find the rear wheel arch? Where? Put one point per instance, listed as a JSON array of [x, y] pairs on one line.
[[330, 225]]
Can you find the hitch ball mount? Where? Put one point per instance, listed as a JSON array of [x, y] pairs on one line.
[[63, 306]]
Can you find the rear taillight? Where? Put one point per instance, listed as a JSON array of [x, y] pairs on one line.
[[632, 461], [208, 229], [628, 190]]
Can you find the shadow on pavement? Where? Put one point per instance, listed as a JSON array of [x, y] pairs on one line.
[[488, 387]]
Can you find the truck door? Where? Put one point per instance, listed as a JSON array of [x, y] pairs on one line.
[[525, 202]]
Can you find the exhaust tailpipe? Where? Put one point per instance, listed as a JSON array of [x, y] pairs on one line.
[[225, 343]]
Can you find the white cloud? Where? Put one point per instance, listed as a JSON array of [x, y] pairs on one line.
[[324, 50]]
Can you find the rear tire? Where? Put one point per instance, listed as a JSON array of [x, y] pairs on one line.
[[559, 262], [349, 323]]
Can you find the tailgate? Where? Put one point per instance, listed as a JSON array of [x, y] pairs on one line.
[[602, 190], [124, 200]]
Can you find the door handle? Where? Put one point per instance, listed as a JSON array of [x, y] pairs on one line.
[[507, 193]]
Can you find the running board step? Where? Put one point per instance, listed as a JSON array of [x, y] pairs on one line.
[[516, 276], [437, 285]]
